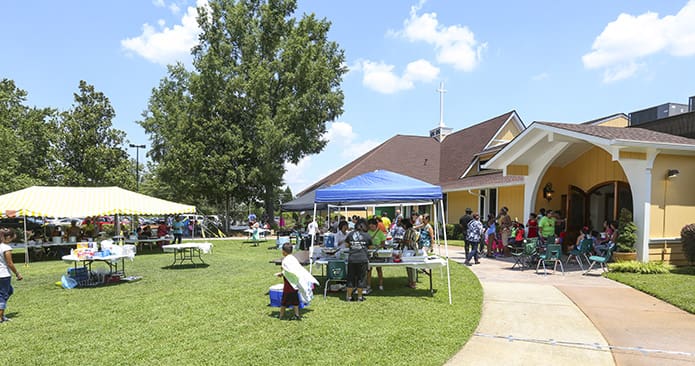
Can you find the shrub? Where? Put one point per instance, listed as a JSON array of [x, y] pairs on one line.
[[627, 232], [450, 231], [688, 237], [639, 267]]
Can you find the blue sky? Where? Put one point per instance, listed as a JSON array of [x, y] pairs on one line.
[[548, 60]]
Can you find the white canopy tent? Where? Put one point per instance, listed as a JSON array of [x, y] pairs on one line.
[[42, 201]]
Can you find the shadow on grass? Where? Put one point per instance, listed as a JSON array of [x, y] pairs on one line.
[[685, 270], [289, 312], [187, 266]]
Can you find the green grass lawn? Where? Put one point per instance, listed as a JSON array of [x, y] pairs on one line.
[[218, 314], [676, 287]]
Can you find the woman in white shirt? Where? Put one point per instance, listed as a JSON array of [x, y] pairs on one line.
[[341, 234], [6, 265]]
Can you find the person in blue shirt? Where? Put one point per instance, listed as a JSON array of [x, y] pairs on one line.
[[177, 228]]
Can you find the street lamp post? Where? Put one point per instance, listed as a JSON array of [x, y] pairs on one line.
[[137, 164]]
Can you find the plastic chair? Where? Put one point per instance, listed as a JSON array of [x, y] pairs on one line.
[[553, 252], [602, 260], [336, 271], [581, 251]]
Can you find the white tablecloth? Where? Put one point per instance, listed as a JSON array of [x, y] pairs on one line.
[[203, 247]]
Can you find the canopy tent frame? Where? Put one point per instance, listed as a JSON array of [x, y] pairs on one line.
[[40, 201], [385, 188]]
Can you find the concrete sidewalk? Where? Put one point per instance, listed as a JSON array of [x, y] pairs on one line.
[[531, 318]]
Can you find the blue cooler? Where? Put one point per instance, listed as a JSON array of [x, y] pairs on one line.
[[280, 241], [275, 293]]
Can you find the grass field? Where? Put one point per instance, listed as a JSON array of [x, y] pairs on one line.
[[218, 314], [676, 287]]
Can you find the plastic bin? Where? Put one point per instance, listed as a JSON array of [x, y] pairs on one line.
[[275, 294]]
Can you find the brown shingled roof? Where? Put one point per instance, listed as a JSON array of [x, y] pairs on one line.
[[414, 156], [483, 181], [459, 148], [621, 133]]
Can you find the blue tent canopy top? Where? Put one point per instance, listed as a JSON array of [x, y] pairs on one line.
[[379, 186]]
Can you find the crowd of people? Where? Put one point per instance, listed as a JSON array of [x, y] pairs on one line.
[[499, 231]]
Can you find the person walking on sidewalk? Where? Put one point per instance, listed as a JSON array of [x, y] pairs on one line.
[[474, 235], [463, 221]]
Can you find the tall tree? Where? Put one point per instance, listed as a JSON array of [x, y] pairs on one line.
[[264, 86], [92, 151], [28, 138]]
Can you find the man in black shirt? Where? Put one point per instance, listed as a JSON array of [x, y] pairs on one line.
[[463, 221], [357, 243]]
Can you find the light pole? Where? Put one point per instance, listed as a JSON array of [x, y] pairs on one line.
[[137, 164]]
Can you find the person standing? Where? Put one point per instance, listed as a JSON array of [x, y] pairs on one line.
[[357, 243], [475, 235], [505, 227], [532, 226], [410, 242], [463, 221], [6, 266], [426, 235], [177, 229], [378, 239], [547, 228]]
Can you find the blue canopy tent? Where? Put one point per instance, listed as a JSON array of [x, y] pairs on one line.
[[385, 187]]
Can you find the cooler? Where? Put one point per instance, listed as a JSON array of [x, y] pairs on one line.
[[275, 294]]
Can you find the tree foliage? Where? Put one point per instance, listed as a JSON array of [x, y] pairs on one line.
[[90, 150], [27, 136], [264, 85]]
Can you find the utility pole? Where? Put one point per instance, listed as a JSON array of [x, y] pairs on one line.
[[137, 165]]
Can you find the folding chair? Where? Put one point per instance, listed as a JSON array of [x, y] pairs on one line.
[[336, 271], [581, 251], [602, 260], [553, 252], [529, 252], [517, 252]]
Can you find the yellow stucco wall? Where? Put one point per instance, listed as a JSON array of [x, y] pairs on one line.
[[513, 198], [457, 203], [588, 170], [680, 199], [619, 121]]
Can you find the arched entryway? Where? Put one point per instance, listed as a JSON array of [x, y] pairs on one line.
[[591, 208]]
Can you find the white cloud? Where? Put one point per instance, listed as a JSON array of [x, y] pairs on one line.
[[355, 150], [175, 9], [629, 39], [158, 3], [541, 76], [167, 45], [381, 77], [295, 174], [339, 131], [455, 45]]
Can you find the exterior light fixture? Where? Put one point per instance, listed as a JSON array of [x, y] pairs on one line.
[[672, 173], [548, 191]]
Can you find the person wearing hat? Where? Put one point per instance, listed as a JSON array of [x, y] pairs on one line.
[[463, 221]]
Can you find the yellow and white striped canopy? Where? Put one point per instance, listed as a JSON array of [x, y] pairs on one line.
[[85, 201]]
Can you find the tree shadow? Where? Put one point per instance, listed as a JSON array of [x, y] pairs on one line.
[[684, 270]]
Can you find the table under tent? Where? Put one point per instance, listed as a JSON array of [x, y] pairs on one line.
[[40, 201], [386, 188]]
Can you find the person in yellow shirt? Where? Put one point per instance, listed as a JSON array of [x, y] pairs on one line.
[[378, 239], [386, 220]]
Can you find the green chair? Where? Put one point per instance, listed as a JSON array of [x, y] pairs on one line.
[[581, 251], [553, 253], [517, 252], [336, 271], [530, 251], [602, 260]]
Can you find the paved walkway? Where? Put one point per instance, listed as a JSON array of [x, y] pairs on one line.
[[531, 318]]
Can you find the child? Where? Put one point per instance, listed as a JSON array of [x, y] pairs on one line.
[[298, 283], [290, 295], [519, 239]]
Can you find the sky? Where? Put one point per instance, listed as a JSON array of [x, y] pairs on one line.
[[548, 60]]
